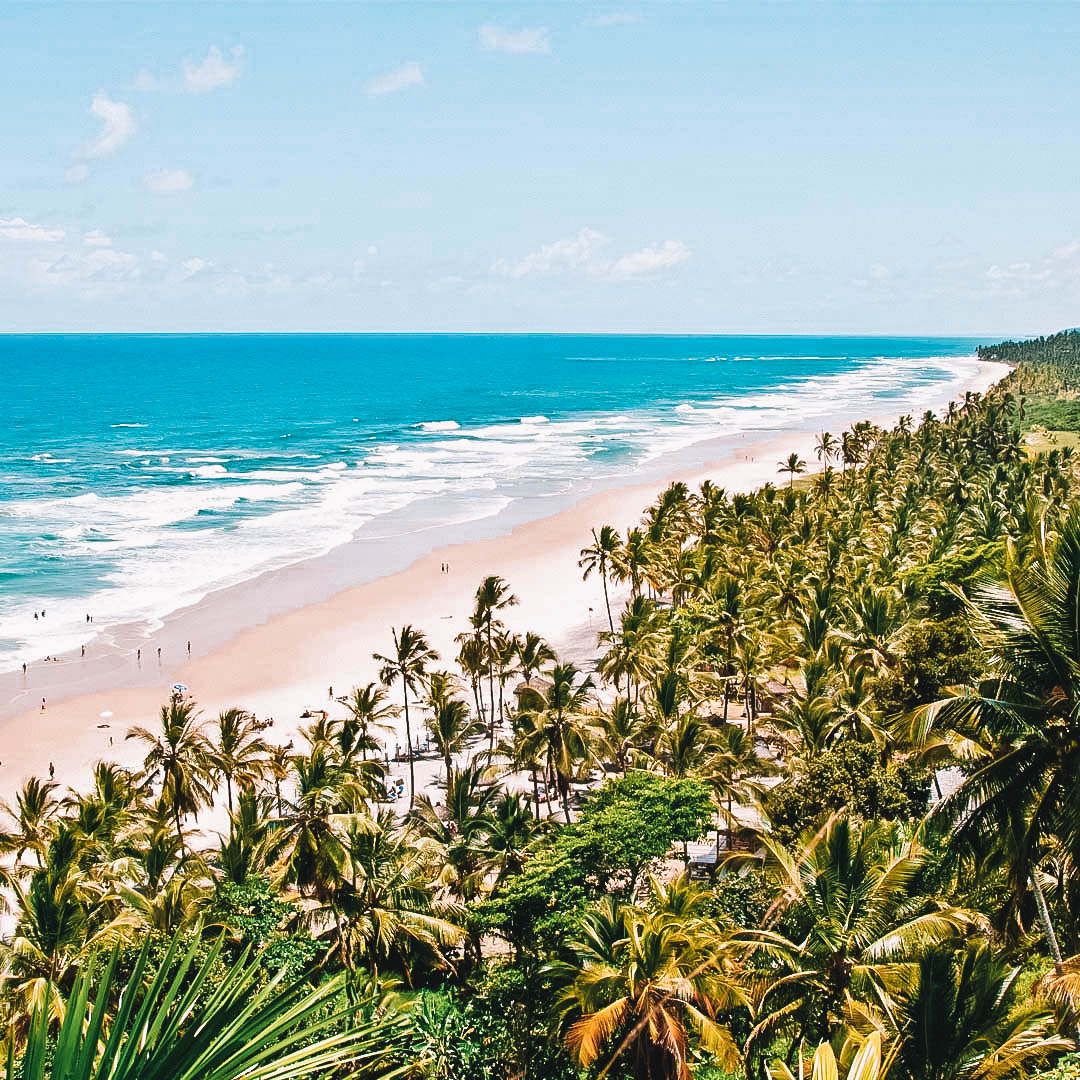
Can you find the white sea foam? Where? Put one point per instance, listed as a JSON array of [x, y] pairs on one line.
[[439, 425]]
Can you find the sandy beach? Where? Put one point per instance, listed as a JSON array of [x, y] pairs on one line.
[[246, 651]]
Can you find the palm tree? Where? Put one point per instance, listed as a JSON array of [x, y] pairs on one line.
[[452, 728], [853, 891], [386, 899], [240, 753], [409, 661], [598, 556], [640, 986], [459, 828], [558, 726], [533, 653], [792, 465], [492, 596], [34, 815], [1028, 710], [963, 1018], [368, 713], [306, 840], [826, 447], [185, 757]]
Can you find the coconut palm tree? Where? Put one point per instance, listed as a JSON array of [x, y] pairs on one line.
[[492, 596], [240, 751], [1027, 710], [386, 899], [854, 892], [459, 828], [598, 557], [961, 1017], [184, 756], [792, 465], [410, 659], [558, 725], [34, 817], [642, 990], [452, 728], [305, 842], [368, 713]]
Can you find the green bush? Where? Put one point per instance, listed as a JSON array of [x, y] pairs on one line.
[[847, 777]]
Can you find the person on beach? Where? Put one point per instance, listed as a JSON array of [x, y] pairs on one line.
[[84, 650], [331, 692], [35, 617], [52, 770], [42, 704], [159, 654], [138, 656], [189, 650]]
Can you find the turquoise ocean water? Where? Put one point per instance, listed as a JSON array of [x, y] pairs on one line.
[[138, 473]]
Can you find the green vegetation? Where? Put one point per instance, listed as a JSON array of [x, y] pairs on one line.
[[811, 806]]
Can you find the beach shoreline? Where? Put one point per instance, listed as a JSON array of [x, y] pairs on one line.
[[278, 643]]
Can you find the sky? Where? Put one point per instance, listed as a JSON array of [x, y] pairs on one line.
[[799, 167]]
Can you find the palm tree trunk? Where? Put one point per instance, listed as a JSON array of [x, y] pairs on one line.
[[228, 791], [408, 743], [1051, 940], [491, 687], [179, 831], [607, 602], [536, 792]]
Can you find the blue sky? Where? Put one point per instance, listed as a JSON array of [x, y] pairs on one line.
[[796, 167]]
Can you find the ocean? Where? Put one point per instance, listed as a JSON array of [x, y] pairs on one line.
[[139, 473]]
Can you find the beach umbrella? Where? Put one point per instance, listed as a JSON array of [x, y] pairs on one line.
[[179, 688], [105, 714]]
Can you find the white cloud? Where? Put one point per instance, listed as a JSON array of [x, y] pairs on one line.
[[158, 256], [584, 255], [92, 271], [77, 173], [20, 229], [410, 74], [498, 39], [96, 238], [614, 18], [372, 250], [195, 266], [215, 70], [117, 125], [1067, 251], [147, 83], [168, 181], [651, 260], [579, 253], [879, 272]]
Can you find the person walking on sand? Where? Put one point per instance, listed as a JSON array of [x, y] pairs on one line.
[[52, 770], [42, 704], [24, 667], [138, 656], [159, 654], [330, 692], [84, 650], [189, 650]]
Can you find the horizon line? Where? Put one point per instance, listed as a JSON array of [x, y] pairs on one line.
[[530, 333]]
